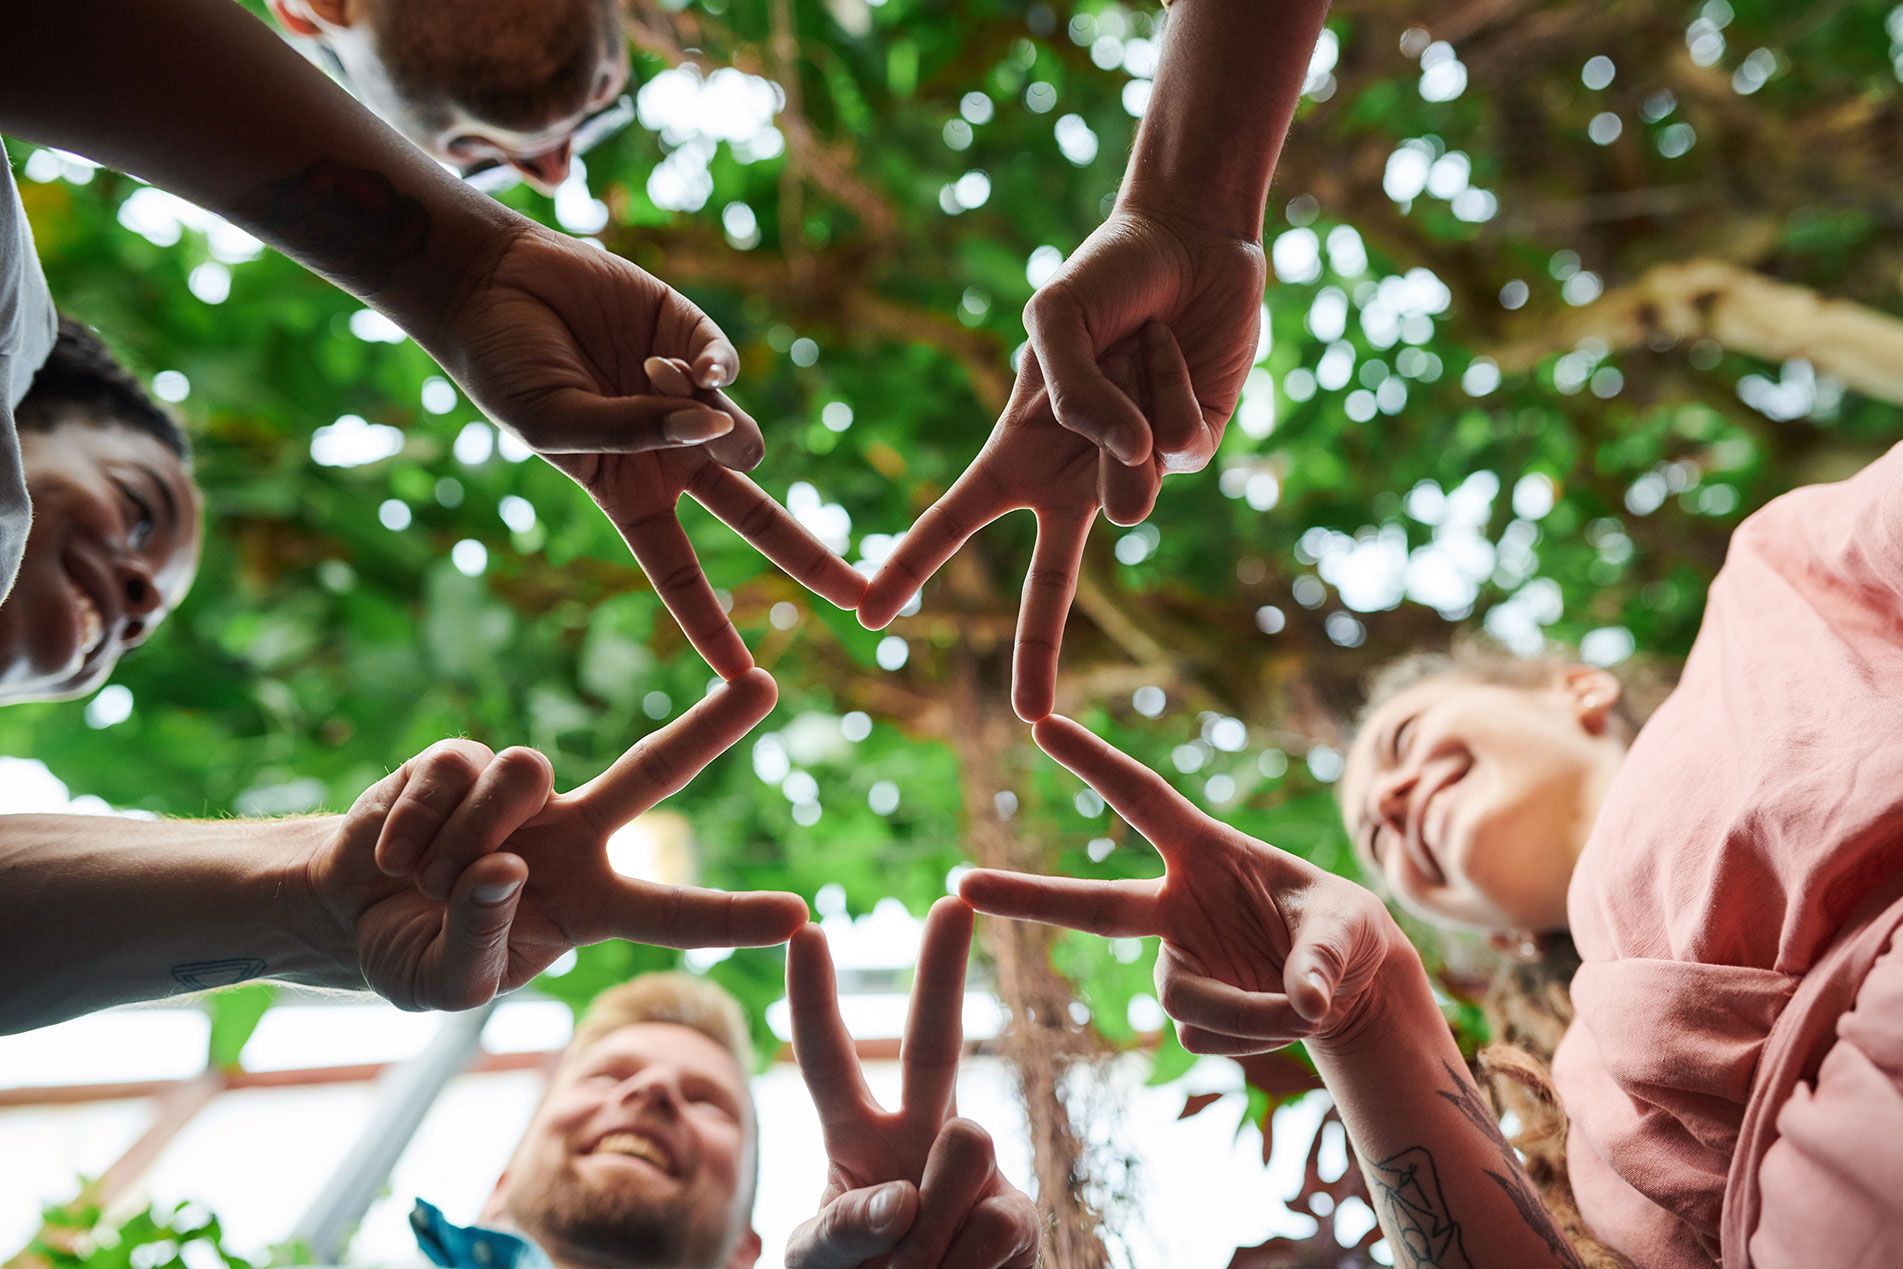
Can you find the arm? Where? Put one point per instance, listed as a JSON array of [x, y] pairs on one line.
[[101, 911], [1262, 949], [457, 877], [1184, 244], [1445, 1183]]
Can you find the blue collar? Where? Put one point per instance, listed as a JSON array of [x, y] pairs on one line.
[[472, 1246]]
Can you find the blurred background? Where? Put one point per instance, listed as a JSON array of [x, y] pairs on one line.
[[1561, 291]]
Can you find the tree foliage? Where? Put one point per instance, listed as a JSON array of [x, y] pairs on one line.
[[1457, 420]]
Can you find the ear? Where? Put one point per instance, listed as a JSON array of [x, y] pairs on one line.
[[747, 1254], [1594, 693]]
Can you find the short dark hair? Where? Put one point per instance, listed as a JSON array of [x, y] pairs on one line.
[[83, 382], [505, 66]]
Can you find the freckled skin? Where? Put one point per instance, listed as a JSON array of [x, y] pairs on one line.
[[116, 518]]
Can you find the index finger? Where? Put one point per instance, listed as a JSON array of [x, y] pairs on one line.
[[661, 548], [1049, 586], [749, 511], [821, 1044], [661, 764], [974, 500], [688, 916], [1141, 796], [935, 1022]]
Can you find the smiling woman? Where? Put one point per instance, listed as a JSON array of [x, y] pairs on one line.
[[115, 534]]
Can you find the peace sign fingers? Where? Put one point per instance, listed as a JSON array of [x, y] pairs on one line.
[[663, 763], [1141, 796], [934, 1023], [821, 1044]]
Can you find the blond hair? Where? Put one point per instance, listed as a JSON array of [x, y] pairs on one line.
[[682, 1000]]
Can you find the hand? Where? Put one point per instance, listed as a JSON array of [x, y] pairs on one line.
[[1030, 462], [1260, 948], [640, 493], [550, 342], [459, 877], [1143, 266], [915, 1188]]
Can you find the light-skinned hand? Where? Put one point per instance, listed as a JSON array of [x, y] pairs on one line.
[[1029, 462], [1260, 948], [915, 1188], [460, 876]]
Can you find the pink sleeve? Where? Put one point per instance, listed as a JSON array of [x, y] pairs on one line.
[[1831, 1186], [1838, 542]]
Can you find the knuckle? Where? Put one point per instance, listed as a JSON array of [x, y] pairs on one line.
[[525, 767]]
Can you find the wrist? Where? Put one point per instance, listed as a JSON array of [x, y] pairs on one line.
[[1396, 1004], [304, 940]]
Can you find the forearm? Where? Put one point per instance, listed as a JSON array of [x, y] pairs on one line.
[[1443, 1178], [98, 911], [1226, 88], [201, 99]]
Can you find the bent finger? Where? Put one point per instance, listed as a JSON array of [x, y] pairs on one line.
[[749, 511], [432, 785], [1114, 909], [1210, 1004], [958, 1170], [511, 790], [663, 763], [467, 959], [999, 1233], [1184, 439], [854, 1228], [1215, 1044], [1049, 587], [1082, 397]]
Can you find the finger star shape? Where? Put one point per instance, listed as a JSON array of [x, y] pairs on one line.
[[1029, 462]]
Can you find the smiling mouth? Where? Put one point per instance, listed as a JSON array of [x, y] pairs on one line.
[[1425, 857], [92, 623], [633, 1145]]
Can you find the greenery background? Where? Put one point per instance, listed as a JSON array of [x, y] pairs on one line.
[[320, 648]]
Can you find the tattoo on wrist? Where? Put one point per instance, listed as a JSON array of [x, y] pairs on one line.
[[209, 975], [1421, 1232], [349, 223], [1512, 1178]]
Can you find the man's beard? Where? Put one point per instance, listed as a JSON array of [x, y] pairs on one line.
[[631, 1229]]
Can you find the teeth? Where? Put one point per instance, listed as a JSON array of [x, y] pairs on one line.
[[92, 625], [629, 1143]]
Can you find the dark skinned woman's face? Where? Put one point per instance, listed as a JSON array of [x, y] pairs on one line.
[[112, 550]]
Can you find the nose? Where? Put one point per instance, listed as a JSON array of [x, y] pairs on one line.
[[144, 606], [1389, 796], [546, 171], [656, 1087]]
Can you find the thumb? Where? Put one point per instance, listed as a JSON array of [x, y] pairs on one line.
[[1312, 974], [855, 1227], [576, 421], [471, 955]]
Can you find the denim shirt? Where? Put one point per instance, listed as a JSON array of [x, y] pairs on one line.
[[472, 1246]]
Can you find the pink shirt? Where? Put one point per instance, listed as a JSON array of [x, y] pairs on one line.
[[1745, 871]]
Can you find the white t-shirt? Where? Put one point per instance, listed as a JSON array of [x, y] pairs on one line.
[[28, 326]]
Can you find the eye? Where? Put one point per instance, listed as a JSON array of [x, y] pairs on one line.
[[140, 518], [468, 147], [1403, 736]]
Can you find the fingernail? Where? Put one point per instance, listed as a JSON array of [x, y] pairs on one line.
[[496, 893], [438, 878], [696, 425], [401, 855], [1126, 444], [885, 1207], [1319, 983], [1155, 334]]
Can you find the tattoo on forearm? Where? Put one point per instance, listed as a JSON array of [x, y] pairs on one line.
[[349, 223], [1512, 1178], [207, 975], [1420, 1231]]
